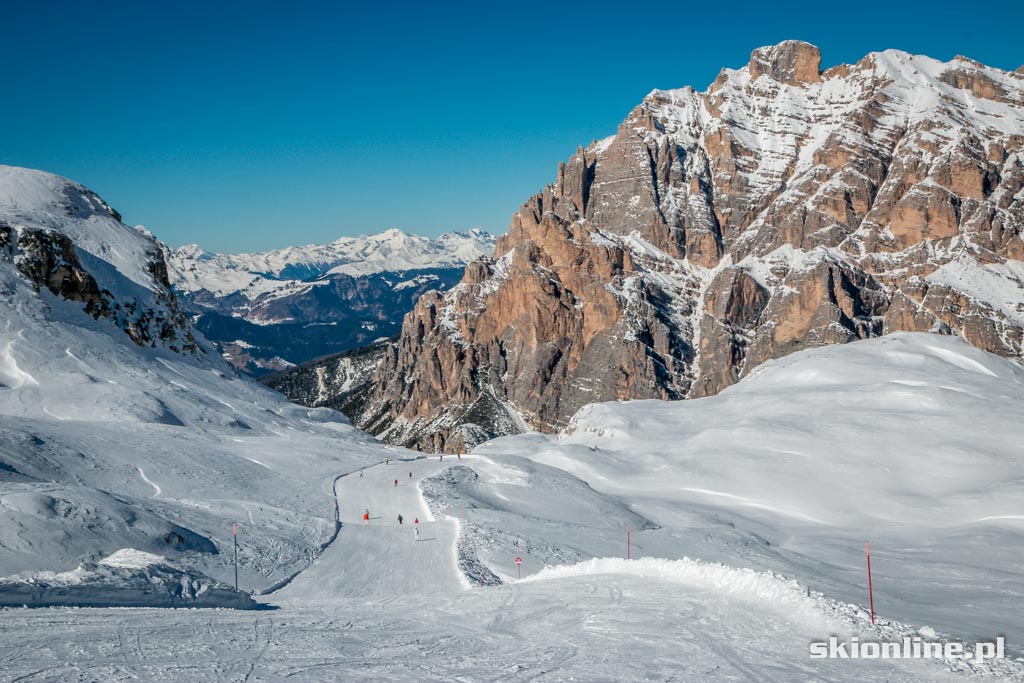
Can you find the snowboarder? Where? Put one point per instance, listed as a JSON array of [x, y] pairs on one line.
[[396, 482], [366, 517], [399, 520]]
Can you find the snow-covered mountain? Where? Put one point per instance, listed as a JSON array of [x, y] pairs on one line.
[[121, 427], [782, 208], [255, 275], [268, 311]]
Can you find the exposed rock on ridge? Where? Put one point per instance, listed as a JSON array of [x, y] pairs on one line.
[[48, 225]]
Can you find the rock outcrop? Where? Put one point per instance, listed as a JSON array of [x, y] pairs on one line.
[[66, 241], [782, 208]]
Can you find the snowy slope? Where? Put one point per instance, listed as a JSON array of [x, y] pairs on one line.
[[108, 440], [602, 623], [910, 441]]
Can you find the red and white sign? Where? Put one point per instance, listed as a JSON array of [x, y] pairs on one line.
[[519, 560]]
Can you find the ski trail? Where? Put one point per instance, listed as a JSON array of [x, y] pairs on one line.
[[10, 373], [254, 460], [156, 489], [382, 557], [169, 367]]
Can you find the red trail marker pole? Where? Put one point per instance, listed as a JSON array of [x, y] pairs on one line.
[[871, 594], [234, 532]]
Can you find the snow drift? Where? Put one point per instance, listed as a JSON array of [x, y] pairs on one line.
[[128, 578]]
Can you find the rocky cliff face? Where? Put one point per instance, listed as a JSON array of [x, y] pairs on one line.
[[342, 381], [780, 209]]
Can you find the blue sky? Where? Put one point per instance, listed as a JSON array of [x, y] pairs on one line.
[[247, 126]]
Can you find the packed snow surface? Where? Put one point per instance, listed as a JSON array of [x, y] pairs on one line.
[[381, 605]]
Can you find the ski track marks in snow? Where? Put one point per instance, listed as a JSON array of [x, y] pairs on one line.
[[156, 489]]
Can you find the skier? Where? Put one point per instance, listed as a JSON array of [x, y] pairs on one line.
[[396, 482], [366, 517], [360, 474], [441, 459], [460, 457], [410, 475], [417, 533], [387, 461], [399, 520]]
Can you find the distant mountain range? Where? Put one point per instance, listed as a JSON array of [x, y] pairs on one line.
[[269, 311]]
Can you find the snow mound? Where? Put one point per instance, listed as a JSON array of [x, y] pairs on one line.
[[132, 559], [746, 584], [127, 578], [776, 592]]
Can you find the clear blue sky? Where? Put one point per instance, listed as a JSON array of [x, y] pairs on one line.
[[247, 125]]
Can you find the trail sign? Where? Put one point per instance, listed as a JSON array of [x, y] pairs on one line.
[[519, 566]]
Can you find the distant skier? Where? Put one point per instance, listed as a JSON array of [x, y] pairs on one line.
[[460, 457], [360, 474], [396, 482], [417, 529], [366, 517], [441, 459], [410, 475], [399, 520], [387, 461]]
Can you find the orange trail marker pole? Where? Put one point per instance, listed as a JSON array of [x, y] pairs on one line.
[[234, 531], [871, 594]]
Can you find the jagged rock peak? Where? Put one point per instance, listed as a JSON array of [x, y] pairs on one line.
[[791, 61], [716, 230]]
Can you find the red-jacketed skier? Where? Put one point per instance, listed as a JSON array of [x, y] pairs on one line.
[[396, 482]]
